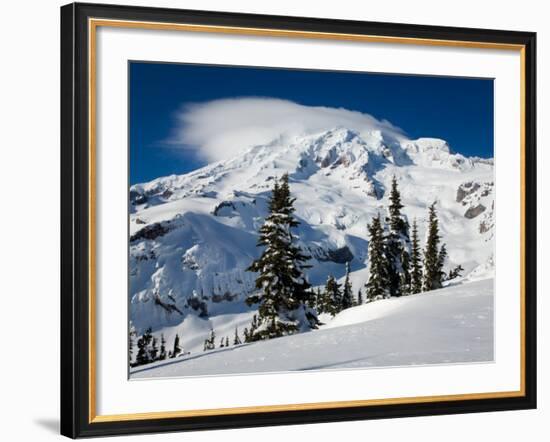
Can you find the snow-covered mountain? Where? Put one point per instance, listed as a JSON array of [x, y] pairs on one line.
[[192, 236]]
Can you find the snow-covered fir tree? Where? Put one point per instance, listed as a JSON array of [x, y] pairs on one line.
[[416, 261], [397, 246], [131, 335], [347, 291], [332, 297], [236, 338], [359, 297], [377, 285], [442, 258], [210, 342], [431, 272], [456, 272], [154, 349], [176, 350], [162, 354], [283, 290], [144, 348]]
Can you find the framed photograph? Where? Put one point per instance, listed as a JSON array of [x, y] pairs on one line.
[[280, 220]]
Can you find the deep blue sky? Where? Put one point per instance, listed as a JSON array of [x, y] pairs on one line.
[[456, 109]]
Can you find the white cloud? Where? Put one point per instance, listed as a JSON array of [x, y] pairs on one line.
[[222, 128]]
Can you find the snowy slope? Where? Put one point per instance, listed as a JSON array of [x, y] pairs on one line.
[[450, 325], [193, 235]]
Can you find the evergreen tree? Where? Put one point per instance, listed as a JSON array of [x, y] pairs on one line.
[[415, 263], [249, 333], [456, 272], [320, 301], [236, 339], [162, 354], [359, 297], [397, 246], [377, 285], [431, 274], [227, 341], [246, 335], [211, 341], [144, 350], [177, 349], [442, 257], [323, 304], [154, 349], [347, 292], [318, 298], [131, 335], [284, 292], [332, 297], [222, 342]]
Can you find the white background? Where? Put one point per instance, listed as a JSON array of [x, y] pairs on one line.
[[29, 220]]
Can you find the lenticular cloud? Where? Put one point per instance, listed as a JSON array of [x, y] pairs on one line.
[[220, 129]]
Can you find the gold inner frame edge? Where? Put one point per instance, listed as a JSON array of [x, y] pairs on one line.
[[93, 24]]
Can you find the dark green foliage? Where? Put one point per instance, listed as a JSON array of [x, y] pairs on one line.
[[397, 246], [432, 269], [397, 222], [442, 257], [162, 354], [176, 349], [415, 262], [144, 348], [249, 332], [131, 335], [154, 349], [323, 303], [210, 343], [456, 272], [331, 299], [359, 297], [236, 338], [347, 291], [283, 290], [377, 285]]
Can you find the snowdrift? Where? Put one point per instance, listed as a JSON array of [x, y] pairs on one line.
[[450, 325]]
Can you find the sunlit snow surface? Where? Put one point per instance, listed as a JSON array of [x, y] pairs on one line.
[[451, 325]]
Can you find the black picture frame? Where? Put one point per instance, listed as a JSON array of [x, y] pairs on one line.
[[75, 221]]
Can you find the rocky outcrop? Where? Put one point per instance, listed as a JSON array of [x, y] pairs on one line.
[[466, 189], [150, 232], [225, 208], [472, 212], [339, 256]]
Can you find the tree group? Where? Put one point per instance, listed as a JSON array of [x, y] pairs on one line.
[[148, 348], [397, 265]]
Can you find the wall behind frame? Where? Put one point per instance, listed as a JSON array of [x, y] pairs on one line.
[[29, 219]]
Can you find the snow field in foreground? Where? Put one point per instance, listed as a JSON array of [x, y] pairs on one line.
[[450, 325]]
